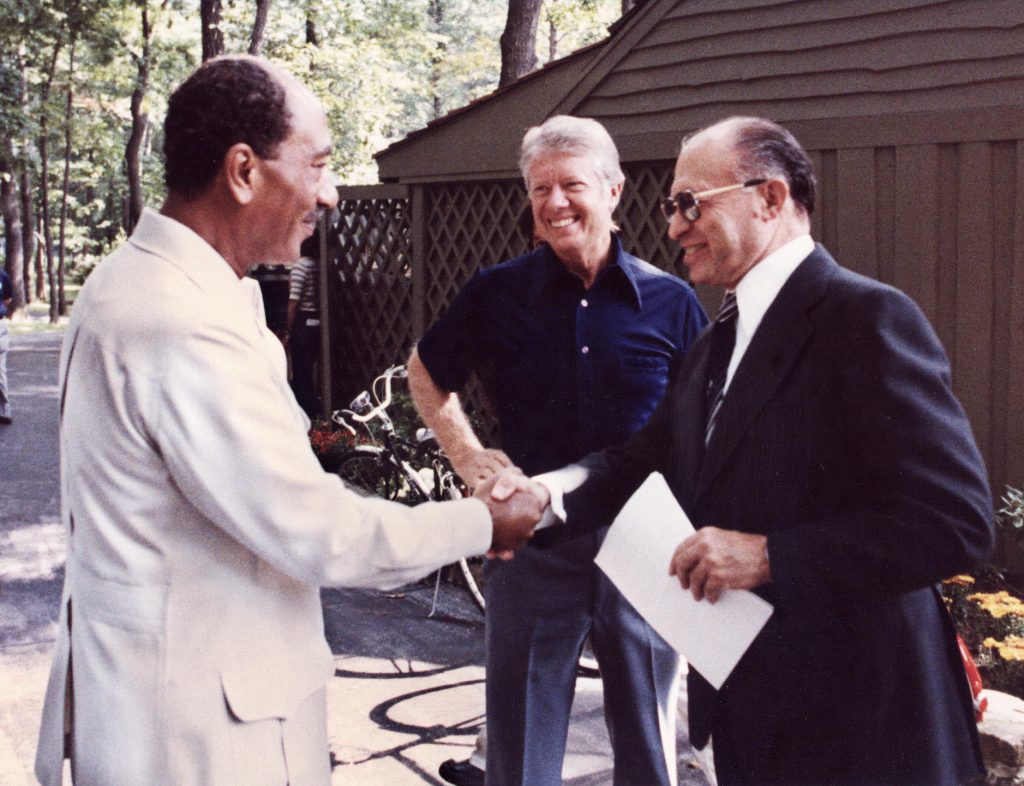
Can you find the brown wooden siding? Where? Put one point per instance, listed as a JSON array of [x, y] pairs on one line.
[[802, 60], [911, 109]]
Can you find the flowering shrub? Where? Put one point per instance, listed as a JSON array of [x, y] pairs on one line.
[[324, 441], [992, 625], [329, 445]]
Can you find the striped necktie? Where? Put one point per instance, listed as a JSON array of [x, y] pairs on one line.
[[723, 341]]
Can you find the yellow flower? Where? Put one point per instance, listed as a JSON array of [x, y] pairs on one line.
[[998, 604], [962, 580], [1011, 648]]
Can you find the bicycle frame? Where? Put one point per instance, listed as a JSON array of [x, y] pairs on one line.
[[402, 457]]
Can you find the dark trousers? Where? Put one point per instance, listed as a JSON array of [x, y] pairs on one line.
[[304, 346], [540, 607]]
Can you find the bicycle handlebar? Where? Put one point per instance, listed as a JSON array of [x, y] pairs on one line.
[[361, 410]]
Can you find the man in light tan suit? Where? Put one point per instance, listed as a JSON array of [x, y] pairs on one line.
[[191, 648]]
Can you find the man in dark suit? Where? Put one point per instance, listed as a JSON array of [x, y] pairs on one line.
[[816, 445]]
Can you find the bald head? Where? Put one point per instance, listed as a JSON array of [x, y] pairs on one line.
[[750, 189], [763, 148]]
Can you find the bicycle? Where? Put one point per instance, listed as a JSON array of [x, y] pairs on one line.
[[411, 473], [399, 470]]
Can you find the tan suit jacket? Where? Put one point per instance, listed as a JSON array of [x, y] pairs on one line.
[[200, 525]]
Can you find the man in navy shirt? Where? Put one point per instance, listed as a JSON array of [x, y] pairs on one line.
[[6, 295], [580, 337]]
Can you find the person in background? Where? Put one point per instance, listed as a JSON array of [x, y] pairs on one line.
[[302, 327], [190, 643], [578, 337], [813, 438], [6, 296]]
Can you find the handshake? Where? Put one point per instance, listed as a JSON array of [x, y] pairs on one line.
[[515, 502]]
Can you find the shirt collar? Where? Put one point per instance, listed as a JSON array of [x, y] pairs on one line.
[[180, 246], [551, 270], [758, 289]]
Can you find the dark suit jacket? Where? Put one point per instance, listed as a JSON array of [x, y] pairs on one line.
[[841, 440]]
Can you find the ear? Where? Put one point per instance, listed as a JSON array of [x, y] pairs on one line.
[[241, 166], [616, 195], [775, 193]]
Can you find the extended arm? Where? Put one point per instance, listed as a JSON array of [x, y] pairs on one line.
[[443, 413], [218, 397]]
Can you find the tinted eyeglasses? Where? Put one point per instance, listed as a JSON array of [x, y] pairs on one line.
[[688, 203]]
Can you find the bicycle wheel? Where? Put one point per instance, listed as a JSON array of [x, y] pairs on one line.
[[366, 472], [473, 580], [449, 487]]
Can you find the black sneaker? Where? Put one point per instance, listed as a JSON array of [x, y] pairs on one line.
[[461, 773]]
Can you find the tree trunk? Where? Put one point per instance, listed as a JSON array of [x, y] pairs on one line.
[[212, 35], [31, 233], [519, 41], [259, 26], [552, 40], [28, 215], [139, 122], [435, 11], [62, 306], [44, 174], [14, 261], [311, 37]]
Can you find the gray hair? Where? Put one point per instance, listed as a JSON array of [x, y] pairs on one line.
[[578, 136]]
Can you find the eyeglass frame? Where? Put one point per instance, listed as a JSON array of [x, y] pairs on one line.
[[691, 211]]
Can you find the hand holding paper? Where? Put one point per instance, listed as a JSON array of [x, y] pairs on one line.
[[714, 560], [645, 533]]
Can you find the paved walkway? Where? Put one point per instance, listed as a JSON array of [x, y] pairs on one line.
[[408, 690], [31, 547]]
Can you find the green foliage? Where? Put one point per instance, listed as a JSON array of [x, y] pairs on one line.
[[382, 68], [1010, 517], [570, 24]]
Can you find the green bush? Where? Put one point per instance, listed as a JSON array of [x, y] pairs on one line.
[[1010, 517]]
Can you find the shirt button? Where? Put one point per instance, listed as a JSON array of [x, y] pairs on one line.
[[584, 303], [585, 350]]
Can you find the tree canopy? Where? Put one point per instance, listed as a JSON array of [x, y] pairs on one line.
[[85, 85]]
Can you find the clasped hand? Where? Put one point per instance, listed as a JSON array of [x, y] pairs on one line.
[[475, 466], [516, 504]]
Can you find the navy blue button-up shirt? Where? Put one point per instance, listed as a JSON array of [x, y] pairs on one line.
[[574, 370]]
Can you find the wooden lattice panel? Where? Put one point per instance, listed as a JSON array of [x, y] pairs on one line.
[[370, 277], [643, 228], [470, 226]]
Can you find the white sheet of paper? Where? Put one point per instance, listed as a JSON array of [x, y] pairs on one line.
[[636, 555]]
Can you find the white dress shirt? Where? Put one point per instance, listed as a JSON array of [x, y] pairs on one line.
[[755, 293], [758, 289]]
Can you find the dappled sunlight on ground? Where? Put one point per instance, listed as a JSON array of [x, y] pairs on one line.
[[32, 552]]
